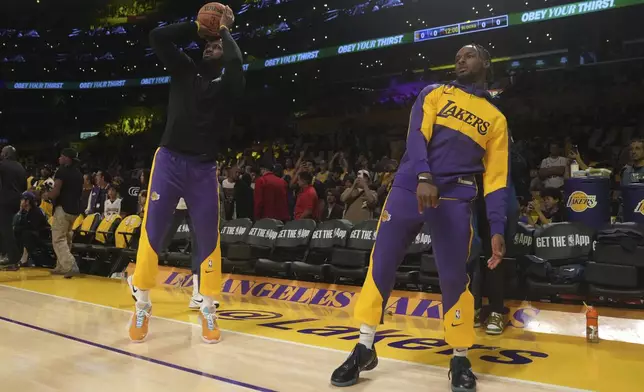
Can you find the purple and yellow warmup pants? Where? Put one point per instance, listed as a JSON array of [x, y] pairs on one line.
[[174, 176], [452, 233]]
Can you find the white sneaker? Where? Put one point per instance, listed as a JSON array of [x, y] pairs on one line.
[[195, 302], [136, 293]]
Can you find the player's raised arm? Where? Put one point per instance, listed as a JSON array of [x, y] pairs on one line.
[[233, 76], [496, 177], [162, 41]]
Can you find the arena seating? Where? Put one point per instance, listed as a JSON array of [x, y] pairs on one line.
[[352, 261], [558, 260], [326, 237]]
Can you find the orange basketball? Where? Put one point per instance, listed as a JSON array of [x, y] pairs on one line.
[[209, 16]]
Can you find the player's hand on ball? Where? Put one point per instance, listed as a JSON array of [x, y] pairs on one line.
[[205, 33], [228, 17], [498, 251], [427, 195]]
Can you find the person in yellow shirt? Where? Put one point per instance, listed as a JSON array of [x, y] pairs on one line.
[[323, 175]]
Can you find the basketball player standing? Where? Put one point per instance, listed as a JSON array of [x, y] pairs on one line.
[[199, 114], [454, 134]]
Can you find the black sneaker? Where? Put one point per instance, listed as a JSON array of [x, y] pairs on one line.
[[460, 372], [348, 373], [7, 265]]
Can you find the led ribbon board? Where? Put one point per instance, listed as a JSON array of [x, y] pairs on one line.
[[467, 27]]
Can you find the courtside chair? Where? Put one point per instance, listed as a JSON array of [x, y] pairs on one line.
[[125, 243], [259, 243], [86, 232], [291, 245], [326, 237], [555, 271], [235, 253], [351, 263], [617, 267], [96, 252]]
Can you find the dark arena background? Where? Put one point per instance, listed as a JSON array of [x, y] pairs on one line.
[[330, 85]]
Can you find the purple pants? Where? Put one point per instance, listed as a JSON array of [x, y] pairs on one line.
[[452, 234], [175, 176]]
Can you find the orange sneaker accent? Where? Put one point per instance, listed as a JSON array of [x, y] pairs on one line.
[[139, 324], [210, 332]]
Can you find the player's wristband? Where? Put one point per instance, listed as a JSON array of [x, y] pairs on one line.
[[223, 27], [426, 179]]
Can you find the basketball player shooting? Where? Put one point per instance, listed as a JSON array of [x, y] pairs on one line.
[[199, 114], [454, 134]]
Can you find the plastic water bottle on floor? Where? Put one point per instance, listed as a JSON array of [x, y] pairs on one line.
[[592, 324]]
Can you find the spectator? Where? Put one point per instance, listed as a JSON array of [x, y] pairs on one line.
[[335, 178], [13, 182], [635, 171], [228, 195], [255, 173], [132, 187], [289, 168], [45, 182], [66, 195], [271, 200], [112, 203], [554, 168], [306, 204], [99, 193], [143, 197], [323, 174], [244, 197], [31, 229], [45, 203], [332, 210], [359, 199], [87, 189], [549, 210]]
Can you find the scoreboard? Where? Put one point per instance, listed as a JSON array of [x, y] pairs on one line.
[[497, 22]]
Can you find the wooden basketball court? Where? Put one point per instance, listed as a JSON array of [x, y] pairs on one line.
[[70, 335]]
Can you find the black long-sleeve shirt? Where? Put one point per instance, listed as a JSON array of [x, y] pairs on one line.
[[200, 110], [13, 181]]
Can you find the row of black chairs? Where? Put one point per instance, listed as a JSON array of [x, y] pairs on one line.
[[336, 250]]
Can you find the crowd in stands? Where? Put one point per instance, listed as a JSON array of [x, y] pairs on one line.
[[590, 117]]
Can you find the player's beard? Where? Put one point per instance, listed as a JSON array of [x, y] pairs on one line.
[[211, 66], [468, 78]]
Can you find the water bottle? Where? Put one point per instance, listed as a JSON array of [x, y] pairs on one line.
[[574, 167], [592, 325]]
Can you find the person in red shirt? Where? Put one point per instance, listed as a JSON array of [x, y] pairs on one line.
[[271, 200], [306, 205]]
